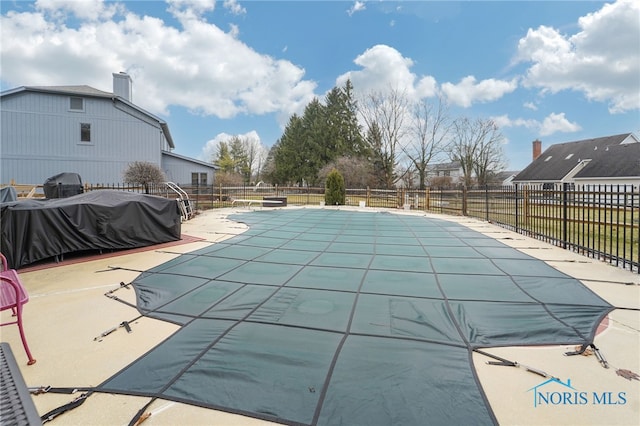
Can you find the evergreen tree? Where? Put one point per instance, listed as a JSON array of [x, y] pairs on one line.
[[286, 153], [323, 134], [335, 192], [240, 158], [352, 129], [224, 161]]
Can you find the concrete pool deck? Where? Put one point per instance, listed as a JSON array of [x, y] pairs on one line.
[[68, 312]]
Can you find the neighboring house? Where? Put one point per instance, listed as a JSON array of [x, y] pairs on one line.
[[505, 178], [609, 161], [47, 130], [452, 174], [452, 171]]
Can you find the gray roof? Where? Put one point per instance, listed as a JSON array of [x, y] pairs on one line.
[[454, 165], [559, 159], [190, 160], [505, 174], [72, 90], [617, 161]]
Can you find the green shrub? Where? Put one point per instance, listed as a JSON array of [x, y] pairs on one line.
[[335, 192]]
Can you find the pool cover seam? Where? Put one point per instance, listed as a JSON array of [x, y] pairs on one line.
[[357, 293]]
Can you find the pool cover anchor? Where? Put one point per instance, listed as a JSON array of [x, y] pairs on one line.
[[45, 418], [596, 351], [124, 324], [507, 363], [110, 294]]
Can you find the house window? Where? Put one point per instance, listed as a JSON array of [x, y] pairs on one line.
[[198, 179], [76, 104], [447, 173], [85, 132]]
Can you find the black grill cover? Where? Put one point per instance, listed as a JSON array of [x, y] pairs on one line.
[[34, 230], [63, 185]]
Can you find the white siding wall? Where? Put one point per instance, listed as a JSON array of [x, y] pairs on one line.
[[40, 137], [609, 184]]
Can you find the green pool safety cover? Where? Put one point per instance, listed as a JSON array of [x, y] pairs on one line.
[[329, 317]]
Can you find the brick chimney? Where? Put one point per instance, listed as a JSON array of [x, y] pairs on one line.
[[537, 149], [122, 85]]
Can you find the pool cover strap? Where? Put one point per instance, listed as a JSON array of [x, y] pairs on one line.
[[325, 316]]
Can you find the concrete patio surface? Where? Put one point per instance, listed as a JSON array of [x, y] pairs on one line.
[[68, 311]]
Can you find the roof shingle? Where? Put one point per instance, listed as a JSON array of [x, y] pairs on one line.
[[559, 159]]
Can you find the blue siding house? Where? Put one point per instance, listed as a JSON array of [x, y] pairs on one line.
[[47, 130]]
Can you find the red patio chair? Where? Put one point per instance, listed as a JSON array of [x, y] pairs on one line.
[[13, 295]]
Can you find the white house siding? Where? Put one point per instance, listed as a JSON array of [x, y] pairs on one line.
[[613, 191], [610, 184], [179, 169], [40, 137]]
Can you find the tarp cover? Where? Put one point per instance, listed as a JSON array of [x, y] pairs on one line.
[[34, 230], [7, 194], [329, 317], [63, 185]]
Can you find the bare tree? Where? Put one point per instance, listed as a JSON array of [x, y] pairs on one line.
[[143, 173], [357, 172], [491, 157], [241, 154], [256, 157], [478, 146], [429, 127], [224, 178], [385, 113]]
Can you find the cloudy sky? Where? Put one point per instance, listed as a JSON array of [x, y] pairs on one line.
[[553, 70]]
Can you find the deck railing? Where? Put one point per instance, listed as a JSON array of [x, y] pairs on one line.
[[601, 221]]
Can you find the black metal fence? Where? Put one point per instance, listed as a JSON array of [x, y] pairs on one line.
[[601, 221]]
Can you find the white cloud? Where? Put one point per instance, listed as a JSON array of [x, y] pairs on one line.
[[87, 10], [194, 65], [191, 7], [234, 7], [551, 124], [384, 68], [503, 121], [601, 60], [469, 91], [427, 87], [358, 6], [210, 149], [530, 105], [554, 123]]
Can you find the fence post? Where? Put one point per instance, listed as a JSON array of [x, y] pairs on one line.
[[517, 210], [464, 200], [427, 192], [486, 202], [197, 194], [525, 205], [565, 209]]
